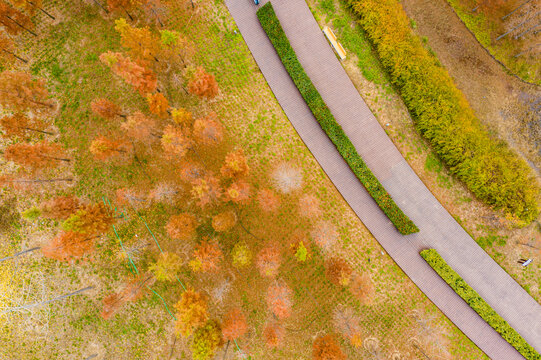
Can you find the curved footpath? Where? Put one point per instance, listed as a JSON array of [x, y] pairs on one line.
[[438, 229]]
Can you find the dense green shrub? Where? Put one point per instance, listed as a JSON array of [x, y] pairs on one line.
[[321, 112], [493, 172], [477, 303]]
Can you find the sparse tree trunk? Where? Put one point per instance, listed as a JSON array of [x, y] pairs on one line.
[[42, 10], [20, 253], [26, 307], [513, 11], [40, 180], [226, 347], [21, 26], [516, 27], [40, 131], [525, 51], [526, 31], [101, 6], [14, 55], [55, 158]]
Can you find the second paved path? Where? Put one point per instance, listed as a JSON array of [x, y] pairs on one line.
[[438, 229]]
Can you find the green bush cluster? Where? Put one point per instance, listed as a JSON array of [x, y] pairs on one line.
[[321, 112], [490, 169], [477, 303]]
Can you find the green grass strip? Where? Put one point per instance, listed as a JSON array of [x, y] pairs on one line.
[[477, 303], [326, 120]]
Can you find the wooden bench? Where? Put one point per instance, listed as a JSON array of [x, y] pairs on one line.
[[334, 42]]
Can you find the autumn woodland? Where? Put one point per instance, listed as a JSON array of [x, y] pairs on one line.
[[156, 203]]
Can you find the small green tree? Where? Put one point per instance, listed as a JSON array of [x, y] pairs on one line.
[[32, 214], [206, 340], [166, 267]]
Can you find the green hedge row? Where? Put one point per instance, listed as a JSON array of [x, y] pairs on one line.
[[477, 303], [321, 112], [490, 169]]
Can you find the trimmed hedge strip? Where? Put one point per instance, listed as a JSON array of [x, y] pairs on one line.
[[321, 112], [477, 303], [489, 168]]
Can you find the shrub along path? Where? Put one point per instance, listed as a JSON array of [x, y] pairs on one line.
[[438, 229]]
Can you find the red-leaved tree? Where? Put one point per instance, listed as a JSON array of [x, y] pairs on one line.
[[234, 324], [203, 84]]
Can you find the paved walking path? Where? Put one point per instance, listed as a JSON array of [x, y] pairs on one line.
[[438, 229]]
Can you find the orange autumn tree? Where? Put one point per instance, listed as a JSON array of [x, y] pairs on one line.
[[69, 245], [207, 257], [208, 130], [19, 125], [134, 289], [106, 109], [203, 84], [235, 165], [37, 156], [206, 191], [238, 192], [15, 21], [7, 49], [141, 42], [279, 299], [158, 104], [338, 271], [191, 312], [273, 335], [224, 221], [363, 289], [90, 219], [181, 116], [175, 142], [60, 207], [181, 227], [141, 78], [268, 261], [268, 200], [234, 324], [104, 149], [124, 6], [20, 92], [326, 348], [139, 127]]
